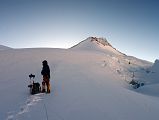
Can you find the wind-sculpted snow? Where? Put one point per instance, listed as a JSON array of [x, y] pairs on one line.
[[85, 85]]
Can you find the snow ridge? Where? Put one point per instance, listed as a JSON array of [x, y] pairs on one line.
[[102, 41], [2, 47]]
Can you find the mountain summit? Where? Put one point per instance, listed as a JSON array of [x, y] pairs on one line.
[[96, 44], [102, 41]]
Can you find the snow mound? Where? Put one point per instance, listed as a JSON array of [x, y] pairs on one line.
[[98, 45], [2, 47]]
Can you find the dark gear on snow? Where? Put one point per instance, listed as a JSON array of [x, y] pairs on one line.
[[34, 86]]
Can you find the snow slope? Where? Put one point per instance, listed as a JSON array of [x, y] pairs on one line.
[[2, 47], [96, 45], [152, 76], [155, 66], [86, 85]]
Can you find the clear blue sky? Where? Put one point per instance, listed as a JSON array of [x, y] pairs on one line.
[[131, 26]]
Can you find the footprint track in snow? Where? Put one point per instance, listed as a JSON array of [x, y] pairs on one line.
[[31, 101]]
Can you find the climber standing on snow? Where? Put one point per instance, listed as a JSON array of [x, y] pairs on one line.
[[46, 77]]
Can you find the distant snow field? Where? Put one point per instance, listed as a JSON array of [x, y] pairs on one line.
[[90, 81]]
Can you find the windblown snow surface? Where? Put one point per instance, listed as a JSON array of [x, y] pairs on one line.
[[88, 82]]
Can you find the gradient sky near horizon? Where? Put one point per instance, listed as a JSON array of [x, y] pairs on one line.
[[131, 26]]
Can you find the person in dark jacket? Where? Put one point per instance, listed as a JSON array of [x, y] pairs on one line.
[[46, 76]]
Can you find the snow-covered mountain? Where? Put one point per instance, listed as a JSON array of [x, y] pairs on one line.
[[89, 81], [96, 44], [116, 60]]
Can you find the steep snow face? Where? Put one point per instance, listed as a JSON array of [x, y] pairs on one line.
[[96, 45], [118, 62], [152, 82], [153, 73], [2, 47], [155, 67]]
